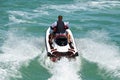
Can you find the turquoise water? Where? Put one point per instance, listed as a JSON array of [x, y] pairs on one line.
[[96, 28]]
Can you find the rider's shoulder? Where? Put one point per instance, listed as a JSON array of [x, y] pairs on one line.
[[66, 23], [54, 24]]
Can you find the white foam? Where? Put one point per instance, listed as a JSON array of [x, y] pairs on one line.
[[40, 11], [79, 5], [29, 15], [104, 4], [15, 20], [65, 70], [16, 17], [17, 52], [23, 14], [105, 54]]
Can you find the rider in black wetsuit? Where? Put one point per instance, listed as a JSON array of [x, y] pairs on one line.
[[58, 27]]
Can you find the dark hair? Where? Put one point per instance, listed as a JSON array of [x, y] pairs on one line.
[[60, 16]]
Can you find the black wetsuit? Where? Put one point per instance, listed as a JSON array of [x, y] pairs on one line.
[[60, 28]]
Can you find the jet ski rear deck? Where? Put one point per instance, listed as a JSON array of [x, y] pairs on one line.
[[61, 48]]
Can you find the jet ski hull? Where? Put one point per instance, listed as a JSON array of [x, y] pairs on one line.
[[59, 51]]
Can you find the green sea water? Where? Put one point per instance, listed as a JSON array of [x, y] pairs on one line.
[[95, 25]]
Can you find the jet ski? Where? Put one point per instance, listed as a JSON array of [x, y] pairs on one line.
[[60, 46]]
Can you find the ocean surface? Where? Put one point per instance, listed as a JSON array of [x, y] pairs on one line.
[[95, 25]]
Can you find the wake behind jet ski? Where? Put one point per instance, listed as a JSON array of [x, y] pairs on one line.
[[60, 43]]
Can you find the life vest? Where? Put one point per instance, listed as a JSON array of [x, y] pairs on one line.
[[60, 27]]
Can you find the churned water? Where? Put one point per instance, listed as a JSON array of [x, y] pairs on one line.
[[96, 28]]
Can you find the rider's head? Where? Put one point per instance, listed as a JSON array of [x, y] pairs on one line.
[[60, 17]]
